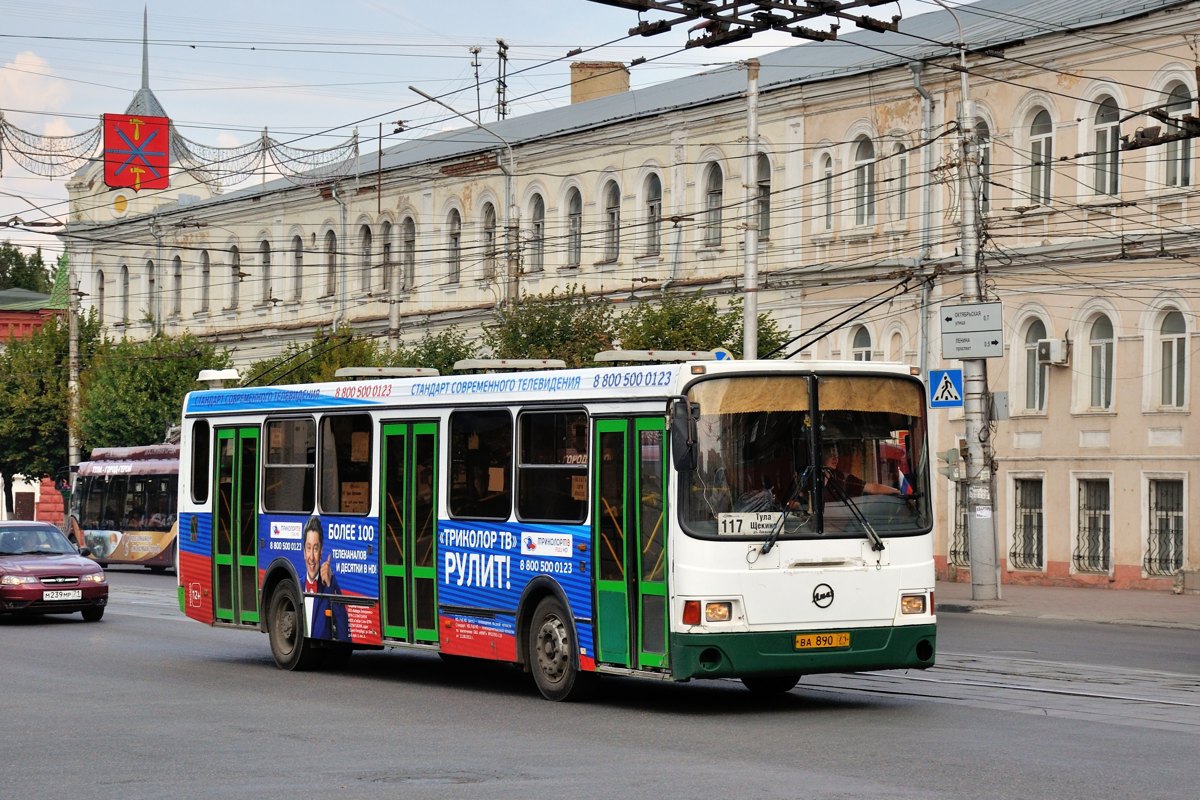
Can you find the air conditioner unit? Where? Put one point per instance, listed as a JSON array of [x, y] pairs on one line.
[[1053, 351]]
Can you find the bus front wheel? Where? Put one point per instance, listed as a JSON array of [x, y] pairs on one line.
[[285, 620], [770, 684], [552, 654]]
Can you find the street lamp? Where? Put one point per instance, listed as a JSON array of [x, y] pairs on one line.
[[512, 214]]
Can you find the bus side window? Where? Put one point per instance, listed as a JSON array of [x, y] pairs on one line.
[[481, 464]]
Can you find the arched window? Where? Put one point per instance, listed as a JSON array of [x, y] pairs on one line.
[[151, 309], [1172, 348], [612, 221], [1179, 152], [100, 295], [900, 182], [264, 258], [489, 240], [408, 252], [537, 234], [235, 278], [1035, 373], [386, 261], [714, 199], [1107, 124], [826, 192], [653, 191], [864, 182], [176, 286], [1100, 344], [1041, 157], [365, 253], [205, 280], [574, 228], [297, 268], [983, 138], [124, 294], [860, 344], [762, 196], [453, 246], [331, 265]]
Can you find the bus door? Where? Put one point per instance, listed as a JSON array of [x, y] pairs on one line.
[[409, 522], [629, 531], [235, 527]]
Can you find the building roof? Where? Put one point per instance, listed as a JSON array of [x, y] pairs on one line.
[[23, 300]]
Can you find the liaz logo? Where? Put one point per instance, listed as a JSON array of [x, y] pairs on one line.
[[530, 544]]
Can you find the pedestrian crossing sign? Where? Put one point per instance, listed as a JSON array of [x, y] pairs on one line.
[[945, 388]]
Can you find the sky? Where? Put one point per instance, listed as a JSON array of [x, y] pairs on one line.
[[309, 72]]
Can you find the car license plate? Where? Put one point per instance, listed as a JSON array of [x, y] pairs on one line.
[[820, 641], [62, 594]]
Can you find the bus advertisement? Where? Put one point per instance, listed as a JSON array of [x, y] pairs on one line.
[[755, 520], [123, 505]]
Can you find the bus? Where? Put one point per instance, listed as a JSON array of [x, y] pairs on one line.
[[675, 521], [123, 505]]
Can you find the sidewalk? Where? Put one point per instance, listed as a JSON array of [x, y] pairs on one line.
[[1119, 607]]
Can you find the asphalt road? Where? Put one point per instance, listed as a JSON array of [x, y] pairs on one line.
[[146, 704]]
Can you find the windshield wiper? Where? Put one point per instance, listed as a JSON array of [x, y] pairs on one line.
[[777, 528], [855, 511]]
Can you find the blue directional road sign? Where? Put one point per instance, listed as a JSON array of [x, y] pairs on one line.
[[945, 388]]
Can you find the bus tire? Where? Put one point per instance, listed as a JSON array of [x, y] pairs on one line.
[[770, 684], [285, 629], [554, 654]]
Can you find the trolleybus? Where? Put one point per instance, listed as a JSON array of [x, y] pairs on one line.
[[123, 505], [670, 520]]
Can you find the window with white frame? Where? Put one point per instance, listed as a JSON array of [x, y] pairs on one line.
[[1172, 359], [365, 257], [100, 295], [1041, 157], [1036, 374], [264, 264], [612, 221], [900, 181], [1179, 152], [1093, 539], [176, 286], [489, 241], [762, 196], [1028, 521], [714, 199], [574, 228], [1164, 540], [297, 268], [124, 294], [235, 278], [653, 190], [386, 261], [983, 140], [864, 181], [151, 288], [826, 178], [1100, 347], [1107, 131], [860, 344], [408, 252], [537, 234], [453, 246], [331, 266], [205, 279]]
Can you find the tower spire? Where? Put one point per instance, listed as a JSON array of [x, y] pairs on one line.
[[145, 47]]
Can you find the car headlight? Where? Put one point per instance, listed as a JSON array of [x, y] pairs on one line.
[[16, 580], [92, 577]]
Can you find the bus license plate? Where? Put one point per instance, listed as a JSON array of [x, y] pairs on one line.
[[819, 641], [62, 594]]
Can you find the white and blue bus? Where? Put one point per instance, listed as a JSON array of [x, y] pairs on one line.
[[759, 520]]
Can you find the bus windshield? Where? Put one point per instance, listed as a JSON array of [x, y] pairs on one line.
[[804, 455]]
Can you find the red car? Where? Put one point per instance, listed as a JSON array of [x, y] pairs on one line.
[[42, 573]]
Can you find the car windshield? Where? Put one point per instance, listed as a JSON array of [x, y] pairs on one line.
[[33, 540], [801, 455]]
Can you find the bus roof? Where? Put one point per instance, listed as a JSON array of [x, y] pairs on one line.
[[151, 459]]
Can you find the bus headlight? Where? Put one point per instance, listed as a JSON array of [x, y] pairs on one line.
[[718, 612], [912, 604]]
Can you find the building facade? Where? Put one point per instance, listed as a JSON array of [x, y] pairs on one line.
[[1090, 246]]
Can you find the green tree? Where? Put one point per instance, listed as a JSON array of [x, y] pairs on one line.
[[19, 271], [438, 351], [569, 325], [34, 374], [133, 391], [318, 360], [690, 322]]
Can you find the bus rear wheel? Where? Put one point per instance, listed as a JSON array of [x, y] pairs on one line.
[[285, 629], [770, 684], [553, 658]]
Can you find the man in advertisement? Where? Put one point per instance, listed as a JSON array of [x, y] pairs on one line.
[[327, 618]]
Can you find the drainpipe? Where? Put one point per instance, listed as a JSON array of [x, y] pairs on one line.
[[926, 213]]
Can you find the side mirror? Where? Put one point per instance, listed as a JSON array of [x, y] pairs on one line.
[[683, 416], [86, 552]]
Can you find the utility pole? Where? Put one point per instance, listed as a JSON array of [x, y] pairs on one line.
[[750, 240], [501, 80]]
